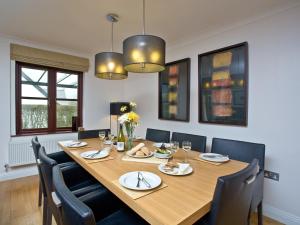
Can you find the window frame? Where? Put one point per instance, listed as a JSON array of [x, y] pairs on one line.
[[51, 98]]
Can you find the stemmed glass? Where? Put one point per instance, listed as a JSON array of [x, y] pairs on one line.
[[187, 146], [111, 138], [174, 146], [102, 135]]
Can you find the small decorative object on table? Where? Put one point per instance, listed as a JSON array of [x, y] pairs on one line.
[[130, 120]]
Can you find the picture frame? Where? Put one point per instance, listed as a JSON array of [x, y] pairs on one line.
[[223, 85], [174, 91]]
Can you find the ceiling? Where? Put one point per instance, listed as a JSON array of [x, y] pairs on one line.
[[80, 25]]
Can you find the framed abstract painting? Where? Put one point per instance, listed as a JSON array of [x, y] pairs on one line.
[[223, 85], [174, 91]]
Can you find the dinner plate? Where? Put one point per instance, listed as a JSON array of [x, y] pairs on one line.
[[159, 144], [144, 156], [130, 180], [176, 171], [89, 154], [74, 144], [213, 157]]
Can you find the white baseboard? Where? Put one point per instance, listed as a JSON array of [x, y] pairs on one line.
[[19, 172], [280, 215]]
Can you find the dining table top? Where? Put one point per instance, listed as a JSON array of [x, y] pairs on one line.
[[184, 200]]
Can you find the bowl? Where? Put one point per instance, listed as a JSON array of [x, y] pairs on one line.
[[163, 155]]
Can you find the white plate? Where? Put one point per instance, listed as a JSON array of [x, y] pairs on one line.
[[87, 155], [74, 144], [130, 180], [145, 156], [159, 144], [213, 157], [175, 171]]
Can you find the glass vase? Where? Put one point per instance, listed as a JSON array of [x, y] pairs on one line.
[[129, 131]]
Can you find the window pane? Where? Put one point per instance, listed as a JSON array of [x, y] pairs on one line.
[[66, 93], [65, 110], [35, 75], [34, 114], [66, 78], [34, 83], [66, 86]]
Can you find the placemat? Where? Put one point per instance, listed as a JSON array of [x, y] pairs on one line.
[[137, 194], [152, 159]]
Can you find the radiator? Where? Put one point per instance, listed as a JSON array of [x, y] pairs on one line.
[[20, 152]]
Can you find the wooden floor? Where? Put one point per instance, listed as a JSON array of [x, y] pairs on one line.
[[18, 203]]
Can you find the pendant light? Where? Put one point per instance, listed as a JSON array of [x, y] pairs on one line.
[[109, 65], [144, 53]]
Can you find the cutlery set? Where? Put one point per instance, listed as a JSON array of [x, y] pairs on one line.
[[140, 178]]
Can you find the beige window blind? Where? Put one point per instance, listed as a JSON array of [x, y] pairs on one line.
[[48, 58]]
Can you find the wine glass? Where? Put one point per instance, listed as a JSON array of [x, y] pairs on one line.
[[102, 135], [111, 138], [174, 146], [187, 146]]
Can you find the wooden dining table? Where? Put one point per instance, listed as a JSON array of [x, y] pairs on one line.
[[184, 200]]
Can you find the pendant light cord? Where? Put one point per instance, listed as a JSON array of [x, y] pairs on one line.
[[144, 27], [112, 36]]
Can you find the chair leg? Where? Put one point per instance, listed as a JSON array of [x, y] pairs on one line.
[[45, 211], [49, 216], [40, 195], [260, 214]]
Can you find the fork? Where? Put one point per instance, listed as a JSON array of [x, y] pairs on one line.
[[145, 181], [139, 180]]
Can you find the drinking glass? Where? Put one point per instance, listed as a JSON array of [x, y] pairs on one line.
[[102, 135], [111, 137], [174, 146], [187, 146]]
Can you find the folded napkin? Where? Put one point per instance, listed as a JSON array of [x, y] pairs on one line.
[[182, 167], [136, 148]]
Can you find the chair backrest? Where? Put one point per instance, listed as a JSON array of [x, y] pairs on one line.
[[36, 147], [158, 135], [232, 197], [240, 150], [46, 165], [198, 141], [91, 133], [72, 211]]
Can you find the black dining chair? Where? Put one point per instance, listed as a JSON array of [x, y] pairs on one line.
[[60, 157], [73, 211], [91, 133], [77, 179], [246, 152], [232, 198], [158, 135], [198, 142]]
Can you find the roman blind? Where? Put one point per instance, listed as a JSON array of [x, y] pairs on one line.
[[48, 58]]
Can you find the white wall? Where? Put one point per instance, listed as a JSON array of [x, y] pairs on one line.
[[97, 94], [274, 109], [274, 106]]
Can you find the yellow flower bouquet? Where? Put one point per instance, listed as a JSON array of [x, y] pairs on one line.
[[130, 120]]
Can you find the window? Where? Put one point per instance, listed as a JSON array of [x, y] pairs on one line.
[[47, 99]]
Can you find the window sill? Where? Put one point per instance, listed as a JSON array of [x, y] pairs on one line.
[[44, 133]]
